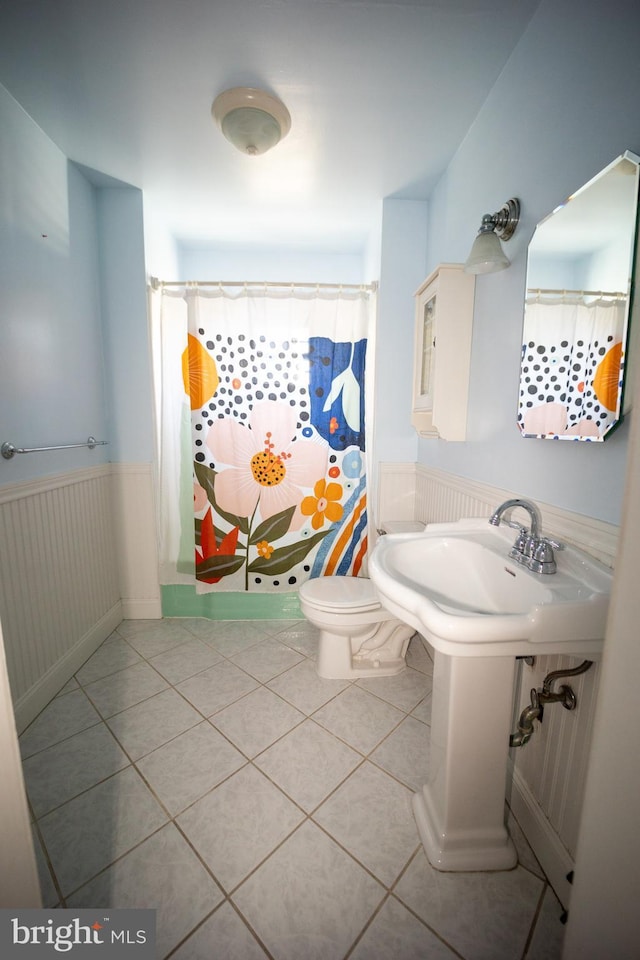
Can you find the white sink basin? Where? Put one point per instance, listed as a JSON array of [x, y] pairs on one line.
[[456, 584]]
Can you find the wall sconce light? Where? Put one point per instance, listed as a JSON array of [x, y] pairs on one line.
[[252, 120], [487, 255]]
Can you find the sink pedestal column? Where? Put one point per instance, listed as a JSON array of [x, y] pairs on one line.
[[460, 810]]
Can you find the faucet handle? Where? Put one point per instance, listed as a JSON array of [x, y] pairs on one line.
[[556, 544], [542, 558]]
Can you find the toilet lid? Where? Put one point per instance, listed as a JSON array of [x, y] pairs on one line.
[[352, 593]]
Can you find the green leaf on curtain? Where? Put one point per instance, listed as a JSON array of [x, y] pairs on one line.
[[220, 565], [284, 558], [274, 527], [206, 478]]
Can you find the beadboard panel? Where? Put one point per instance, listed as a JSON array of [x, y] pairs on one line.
[[547, 774], [78, 554], [136, 541], [411, 491]]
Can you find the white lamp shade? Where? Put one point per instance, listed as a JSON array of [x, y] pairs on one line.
[[251, 131], [487, 255], [252, 120]]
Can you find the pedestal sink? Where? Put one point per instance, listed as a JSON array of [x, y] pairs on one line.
[[457, 586]]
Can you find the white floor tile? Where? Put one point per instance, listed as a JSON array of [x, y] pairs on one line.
[[301, 636], [359, 718], [217, 687], [115, 693], [371, 816], [183, 770], [89, 832], [310, 899], [223, 936], [405, 753], [163, 874], [50, 896], [308, 764], [149, 724], [418, 655], [395, 934], [152, 637], [257, 720], [185, 660], [548, 936], [303, 688], [239, 824], [239, 785], [404, 691], [113, 655], [62, 718], [229, 636], [423, 711], [267, 660], [66, 769], [485, 916]]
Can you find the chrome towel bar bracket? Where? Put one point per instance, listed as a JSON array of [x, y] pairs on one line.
[[8, 449]]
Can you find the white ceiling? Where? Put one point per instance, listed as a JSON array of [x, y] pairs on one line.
[[381, 93]]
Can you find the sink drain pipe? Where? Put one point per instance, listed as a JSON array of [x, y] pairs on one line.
[[535, 709]]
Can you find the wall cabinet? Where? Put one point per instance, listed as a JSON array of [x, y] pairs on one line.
[[442, 353]]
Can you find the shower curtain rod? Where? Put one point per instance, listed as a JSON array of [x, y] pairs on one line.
[[576, 293], [155, 283]]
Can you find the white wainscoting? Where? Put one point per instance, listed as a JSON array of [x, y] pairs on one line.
[[134, 508], [411, 491], [77, 553], [547, 774]]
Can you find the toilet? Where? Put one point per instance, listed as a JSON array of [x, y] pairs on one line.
[[358, 636]]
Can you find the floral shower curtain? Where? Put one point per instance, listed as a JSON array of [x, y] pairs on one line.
[[572, 362], [263, 434]]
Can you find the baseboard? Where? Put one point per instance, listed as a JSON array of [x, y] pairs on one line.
[[142, 609], [553, 857], [48, 686]]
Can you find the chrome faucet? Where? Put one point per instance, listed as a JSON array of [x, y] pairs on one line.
[[530, 549]]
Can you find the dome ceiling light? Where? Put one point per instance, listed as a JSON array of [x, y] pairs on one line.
[[252, 120]]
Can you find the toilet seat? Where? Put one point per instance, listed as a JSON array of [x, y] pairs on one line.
[[349, 594]]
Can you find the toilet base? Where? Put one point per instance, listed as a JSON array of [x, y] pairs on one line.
[[390, 668], [379, 653]]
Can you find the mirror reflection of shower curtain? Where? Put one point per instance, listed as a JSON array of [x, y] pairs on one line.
[[571, 368], [263, 394]]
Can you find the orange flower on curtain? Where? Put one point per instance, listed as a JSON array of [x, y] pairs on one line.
[[324, 504]]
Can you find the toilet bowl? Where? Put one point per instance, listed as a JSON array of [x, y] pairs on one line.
[[358, 636]]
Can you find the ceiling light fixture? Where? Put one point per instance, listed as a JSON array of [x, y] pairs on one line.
[[487, 255], [252, 120]]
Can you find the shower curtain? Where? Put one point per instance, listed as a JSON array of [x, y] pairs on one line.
[[263, 480], [571, 371]]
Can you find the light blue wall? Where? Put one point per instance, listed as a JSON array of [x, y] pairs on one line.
[[566, 104], [124, 323], [239, 262], [402, 270], [52, 387], [73, 313]]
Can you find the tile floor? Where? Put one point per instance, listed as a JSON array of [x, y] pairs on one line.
[[203, 769]]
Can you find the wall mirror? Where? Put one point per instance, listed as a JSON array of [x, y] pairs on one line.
[[578, 289]]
